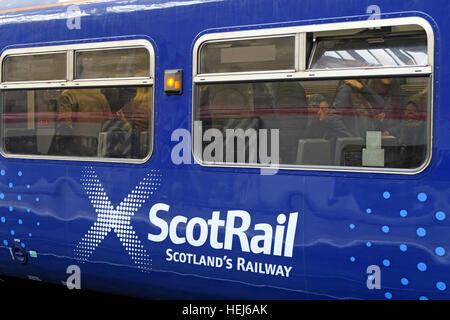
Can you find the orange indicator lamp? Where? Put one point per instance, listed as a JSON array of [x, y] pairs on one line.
[[173, 81]]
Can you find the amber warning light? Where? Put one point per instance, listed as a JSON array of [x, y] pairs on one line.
[[173, 81]]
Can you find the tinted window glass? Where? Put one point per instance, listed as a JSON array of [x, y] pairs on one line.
[[370, 51], [38, 67], [248, 55], [111, 122], [378, 122], [117, 63]]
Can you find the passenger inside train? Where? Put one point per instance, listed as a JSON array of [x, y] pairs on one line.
[[93, 122], [333, 114], [381, 120], [333, 127]]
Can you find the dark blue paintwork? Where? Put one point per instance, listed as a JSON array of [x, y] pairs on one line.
[[347, 221]]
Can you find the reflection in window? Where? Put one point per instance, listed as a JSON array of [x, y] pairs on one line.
[[378, 122], [367, 51], [113, 63], [91, 122], [37, 67], [248, 55]]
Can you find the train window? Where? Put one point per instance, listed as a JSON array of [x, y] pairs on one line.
[[92, 118], [113, 63], [371, 48], [377, 122], [248, 55], [39, 67], [113, 122], [307, 113]]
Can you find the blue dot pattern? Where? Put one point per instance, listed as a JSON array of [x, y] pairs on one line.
[[440, 251], [421, 266], [17, 225], [440, 216], [421, 233], [441, 286], [422, 197]]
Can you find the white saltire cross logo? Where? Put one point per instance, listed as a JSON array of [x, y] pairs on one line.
[[117, 219]]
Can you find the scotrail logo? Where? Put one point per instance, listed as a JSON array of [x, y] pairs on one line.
[[219, 233], [117, 219], [236, 225]]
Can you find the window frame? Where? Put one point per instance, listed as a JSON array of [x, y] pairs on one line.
[[301, 73], [72, 83], [296, 61], [309, 63], [31, 54], [75, 60]]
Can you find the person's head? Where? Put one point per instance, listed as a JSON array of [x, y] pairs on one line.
[[320, 105], [411, 111], [143, 95], [380, 85], [315, 100], [324, 110]]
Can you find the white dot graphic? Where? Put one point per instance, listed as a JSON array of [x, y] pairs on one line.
[[116, 219]]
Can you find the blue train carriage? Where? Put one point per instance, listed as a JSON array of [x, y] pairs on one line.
[[226, 149]]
